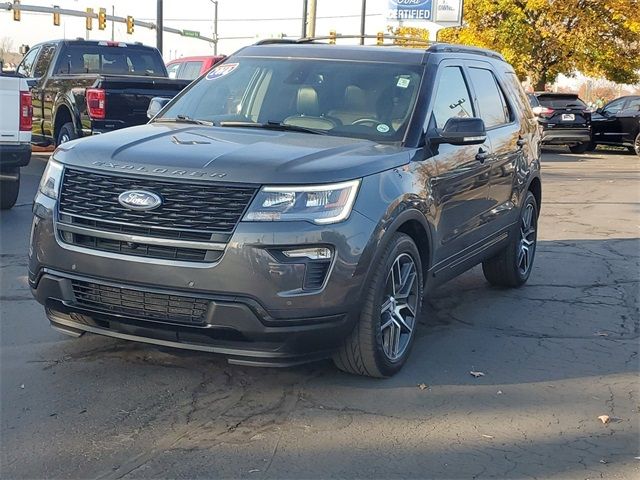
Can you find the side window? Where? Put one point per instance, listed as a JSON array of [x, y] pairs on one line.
[[452, 97], [44, 60], [26, 66], [493, 106], [191, 70], [633, 105], [172, 70], [614, 107]]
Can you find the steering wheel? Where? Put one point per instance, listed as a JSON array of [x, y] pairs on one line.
[[362, 121]]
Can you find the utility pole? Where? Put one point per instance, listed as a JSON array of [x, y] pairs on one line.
[[215, 27], [362, 21], [159, 26], [311, 24], [304, 19], [113, 14]]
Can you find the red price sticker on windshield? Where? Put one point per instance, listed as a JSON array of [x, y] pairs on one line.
[[221, 71]]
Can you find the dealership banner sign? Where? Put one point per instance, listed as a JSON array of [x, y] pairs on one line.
[[445, 12]]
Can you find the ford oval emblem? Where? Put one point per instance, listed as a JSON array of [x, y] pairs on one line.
[[139, 200]]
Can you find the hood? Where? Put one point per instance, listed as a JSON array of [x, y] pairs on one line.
[[242, 155]]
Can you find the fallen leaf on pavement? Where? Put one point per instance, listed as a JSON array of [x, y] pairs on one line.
[[602, 460], [601, 334], [604, 418], [487, 436], [254, 470], [22, 386], [476, 374], [423, 386], [499, 392]]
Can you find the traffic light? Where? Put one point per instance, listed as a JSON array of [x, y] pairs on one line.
[[16, 10], [130, 25], [332, 37], [89, 18], [56, 16], [380, 38], [102, 19]]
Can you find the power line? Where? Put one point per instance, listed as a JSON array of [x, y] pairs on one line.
[[297, 19]]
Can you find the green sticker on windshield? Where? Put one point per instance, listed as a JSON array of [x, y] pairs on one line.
[[382, 128]]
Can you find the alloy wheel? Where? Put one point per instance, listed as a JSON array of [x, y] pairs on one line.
[[399, 307], [64, 138], [527, 246], [636, 145]]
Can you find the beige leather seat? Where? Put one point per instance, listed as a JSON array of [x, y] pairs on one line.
[[308, 110], [355, 106]]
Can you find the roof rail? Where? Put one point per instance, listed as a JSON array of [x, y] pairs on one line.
[[433, 47], [455, 48]]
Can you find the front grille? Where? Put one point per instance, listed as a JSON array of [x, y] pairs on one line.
[[140, 249], [186, 207], [140, 304]]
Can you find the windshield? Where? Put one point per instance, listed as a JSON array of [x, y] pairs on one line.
[[353, 99]]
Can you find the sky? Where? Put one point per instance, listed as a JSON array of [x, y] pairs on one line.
[[253, 19]]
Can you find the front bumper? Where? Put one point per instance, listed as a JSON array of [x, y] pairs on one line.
[[258, 311], [14, 155], [564, 136]]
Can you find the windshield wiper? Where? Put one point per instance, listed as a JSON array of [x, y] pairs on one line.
[[274, 126], [186, 119]]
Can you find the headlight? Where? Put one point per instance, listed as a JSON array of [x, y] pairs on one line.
[[319, 204], [51, 179]]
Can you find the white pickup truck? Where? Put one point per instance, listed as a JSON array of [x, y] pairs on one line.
[[15, 135]]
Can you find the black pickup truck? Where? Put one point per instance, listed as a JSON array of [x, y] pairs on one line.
[[83, 87]]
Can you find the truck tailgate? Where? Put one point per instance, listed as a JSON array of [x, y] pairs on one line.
[[10, 111]]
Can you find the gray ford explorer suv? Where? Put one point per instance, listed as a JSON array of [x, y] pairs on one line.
[[294, 203]]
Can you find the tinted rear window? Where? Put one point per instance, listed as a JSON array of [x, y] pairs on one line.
[[111, 60], [561, 101]]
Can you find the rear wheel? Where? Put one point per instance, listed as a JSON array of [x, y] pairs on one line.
[[512, 266], [67, 132], [381, 341], [9, 190], [579, 148]]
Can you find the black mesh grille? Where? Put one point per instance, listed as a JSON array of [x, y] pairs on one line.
[[315, 274], [140, 304], [188, 207]]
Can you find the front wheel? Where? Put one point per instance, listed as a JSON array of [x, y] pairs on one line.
[[512, 266], [380, 343], [67, 133], [636, 145], [579, 148], [9, 190]]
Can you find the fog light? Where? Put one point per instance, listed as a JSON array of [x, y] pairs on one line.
[[316, 253]]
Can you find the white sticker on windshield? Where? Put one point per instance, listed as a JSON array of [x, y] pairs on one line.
[[221, 70], [403, 82], [382, 128]]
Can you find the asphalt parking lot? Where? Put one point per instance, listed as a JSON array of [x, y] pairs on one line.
[[556, 354]]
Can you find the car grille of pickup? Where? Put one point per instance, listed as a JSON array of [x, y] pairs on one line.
[[194, 222], [140, 304]]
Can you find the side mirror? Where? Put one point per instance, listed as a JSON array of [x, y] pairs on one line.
[[600, 111], [461, 131], [155, 105]]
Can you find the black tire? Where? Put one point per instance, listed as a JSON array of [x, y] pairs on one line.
[[506, 268], [636, 145], [591, 147], [9, 190], [579, 148], [67, 132], [365, 350]]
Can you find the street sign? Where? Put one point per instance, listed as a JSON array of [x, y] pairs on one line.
[[190, 33]]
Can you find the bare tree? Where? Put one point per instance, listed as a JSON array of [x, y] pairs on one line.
[[6, 46]]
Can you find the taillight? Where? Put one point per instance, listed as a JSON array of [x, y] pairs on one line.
[[96, 103], [26, 112], [543, 111]]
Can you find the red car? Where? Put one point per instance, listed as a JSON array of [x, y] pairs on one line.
[[188, 68]]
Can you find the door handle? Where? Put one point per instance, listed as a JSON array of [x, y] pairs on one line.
[[482, 155]]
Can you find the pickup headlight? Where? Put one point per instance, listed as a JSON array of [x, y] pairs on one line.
[[51, 179], [320, 204]]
